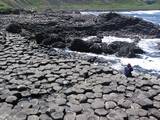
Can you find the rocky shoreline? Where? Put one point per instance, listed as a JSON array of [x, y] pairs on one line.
[[37, 86], [66, 30]]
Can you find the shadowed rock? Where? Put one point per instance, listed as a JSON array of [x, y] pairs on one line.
[[79, 45], [14, 28]]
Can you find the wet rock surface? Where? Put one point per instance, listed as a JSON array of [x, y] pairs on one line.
[[37, 86]]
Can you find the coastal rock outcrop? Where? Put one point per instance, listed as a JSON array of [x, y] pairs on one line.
[[121, 49], [60, 30], [117, 22], [124, 49]]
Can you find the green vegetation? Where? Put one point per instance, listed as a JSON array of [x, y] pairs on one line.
[[94, 5], [118, 5], [3, 5]]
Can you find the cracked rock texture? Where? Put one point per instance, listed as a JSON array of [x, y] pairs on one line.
[[35, 86], [38, 86]]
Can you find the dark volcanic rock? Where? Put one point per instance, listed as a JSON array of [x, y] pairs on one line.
[[50, 39], [96, 48], [59, 45], [122, 49], [80, 45], [14, 28], [40, 37], [57, 29], [115, 22], [129, 50], [115, 46], [106, 17], [105, 49]]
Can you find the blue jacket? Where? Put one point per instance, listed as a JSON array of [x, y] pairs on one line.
[[128, 71]]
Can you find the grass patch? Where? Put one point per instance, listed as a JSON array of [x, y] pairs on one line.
[[121, 5], [94, 5], [3, 6]]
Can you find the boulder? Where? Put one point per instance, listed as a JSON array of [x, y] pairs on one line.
[[113, 47], [96, 48], [80, 45], [56, 38], [129, 51], [39, 37], [122, 49], [59, 45], [104, 47], [14, 28], [50, 39]]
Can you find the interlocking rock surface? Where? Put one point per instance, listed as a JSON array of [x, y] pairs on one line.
[[35, 86]]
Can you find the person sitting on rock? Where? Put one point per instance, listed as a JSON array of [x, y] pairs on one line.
[[128, 71]]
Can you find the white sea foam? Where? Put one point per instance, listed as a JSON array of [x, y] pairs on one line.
[[110, 39], [149, 63], [88, 38], [149, 45], [150, 12], [93, 13], [146, 62], [140, 12]]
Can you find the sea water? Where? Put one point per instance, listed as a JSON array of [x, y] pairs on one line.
[[150, 15], [148, 62]]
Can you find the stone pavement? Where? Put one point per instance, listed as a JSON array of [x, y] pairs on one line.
[[35, 86]]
